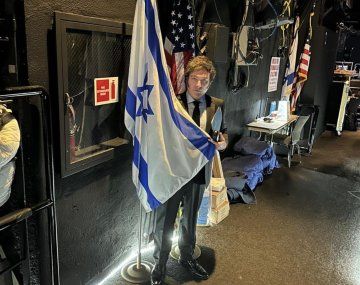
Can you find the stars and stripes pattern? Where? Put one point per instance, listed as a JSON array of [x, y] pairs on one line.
[[303, 67], [302, 74], [180, 43]]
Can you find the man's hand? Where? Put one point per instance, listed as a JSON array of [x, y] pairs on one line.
[[221, 144]]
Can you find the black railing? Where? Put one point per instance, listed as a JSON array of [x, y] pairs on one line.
[[23, 212]]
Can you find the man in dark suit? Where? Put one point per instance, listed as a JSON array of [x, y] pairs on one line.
[[199, 74]]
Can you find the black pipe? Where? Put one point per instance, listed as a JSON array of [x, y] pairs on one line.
[[22, 214]]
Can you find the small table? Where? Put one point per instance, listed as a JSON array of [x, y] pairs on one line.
[[270, 128]]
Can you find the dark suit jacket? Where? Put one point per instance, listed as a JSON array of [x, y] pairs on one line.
[[212, 104]]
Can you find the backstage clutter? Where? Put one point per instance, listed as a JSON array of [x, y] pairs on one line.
[[235, 179]]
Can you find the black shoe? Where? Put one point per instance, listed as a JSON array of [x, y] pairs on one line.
[[158, 274], [195, 268]]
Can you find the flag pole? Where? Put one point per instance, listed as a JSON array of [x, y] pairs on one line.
[[138, 271]]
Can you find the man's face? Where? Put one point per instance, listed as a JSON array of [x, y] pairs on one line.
[[198, 83]]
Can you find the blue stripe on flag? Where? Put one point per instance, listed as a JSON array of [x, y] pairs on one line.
[[200, 141], [185, 126], [130, 103], [141, 164], [290, 78]]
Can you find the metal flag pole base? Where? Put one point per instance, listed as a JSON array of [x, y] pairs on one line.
[[138, 271], [131, 273], [175, 252]]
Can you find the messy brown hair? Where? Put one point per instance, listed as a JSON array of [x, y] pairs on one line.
[[198, 63]]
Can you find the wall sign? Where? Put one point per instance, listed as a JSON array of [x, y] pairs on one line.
[[274, 74], [106, 90]]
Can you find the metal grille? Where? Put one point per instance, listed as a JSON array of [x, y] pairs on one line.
[[93, 55]]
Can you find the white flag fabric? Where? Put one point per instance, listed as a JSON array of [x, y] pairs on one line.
[[290, 75], [169, 148]]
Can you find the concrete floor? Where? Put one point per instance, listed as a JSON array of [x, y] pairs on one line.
[[304, 229]]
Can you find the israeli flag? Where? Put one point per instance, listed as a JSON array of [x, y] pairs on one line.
[[290, 78], [169, 148]]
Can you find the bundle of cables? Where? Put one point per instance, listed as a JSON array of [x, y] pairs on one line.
[[9, 145]]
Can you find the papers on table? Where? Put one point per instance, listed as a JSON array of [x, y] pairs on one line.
[[273, 125]]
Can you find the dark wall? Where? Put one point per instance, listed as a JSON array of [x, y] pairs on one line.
[[323, 55], [352, 48], [253, 100], [12, 50], [97, 210], [97, 217], [249, 102], [39, 16]]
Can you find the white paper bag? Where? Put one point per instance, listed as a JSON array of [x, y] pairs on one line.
[[284, 110]]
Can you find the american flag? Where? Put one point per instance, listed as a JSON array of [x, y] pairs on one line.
[[180, 43], [303, 67], [302, 74]]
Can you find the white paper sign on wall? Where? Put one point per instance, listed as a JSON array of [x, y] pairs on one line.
[[274, 74]]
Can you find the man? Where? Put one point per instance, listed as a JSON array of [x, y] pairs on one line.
[[199, 74]]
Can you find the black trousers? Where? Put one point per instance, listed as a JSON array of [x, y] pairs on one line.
[[189, 196]]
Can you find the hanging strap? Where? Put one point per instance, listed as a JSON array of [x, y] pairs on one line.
[[71, 113], [286, 10], [199, 21], [312, 13]]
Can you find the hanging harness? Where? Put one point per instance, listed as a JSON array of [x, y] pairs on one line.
[[284, 38]]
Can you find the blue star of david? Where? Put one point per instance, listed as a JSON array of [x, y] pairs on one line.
[[143, 93]]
